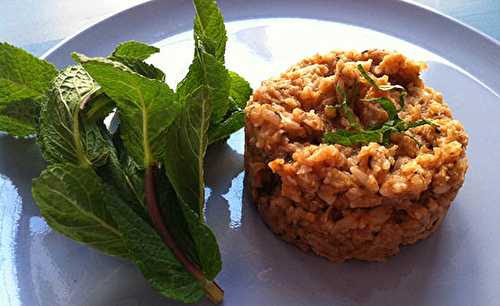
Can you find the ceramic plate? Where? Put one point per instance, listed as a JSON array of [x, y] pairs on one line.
[[458, 265]]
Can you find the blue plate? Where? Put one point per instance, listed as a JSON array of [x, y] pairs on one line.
[[458, 265]]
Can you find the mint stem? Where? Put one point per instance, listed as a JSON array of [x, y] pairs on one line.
[[212, 290]]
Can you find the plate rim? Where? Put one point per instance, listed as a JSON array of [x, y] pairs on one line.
[[474, 52], [97, 25], [121, 13]]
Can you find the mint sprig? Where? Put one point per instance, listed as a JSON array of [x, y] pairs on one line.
[[136, 192], [133, 55], [386, 104], [74, 201], [134, 50], [385, 87], [24, 81], [346, 108], [380, 134]]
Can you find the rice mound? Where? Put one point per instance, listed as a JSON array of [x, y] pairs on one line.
[[359, 202]]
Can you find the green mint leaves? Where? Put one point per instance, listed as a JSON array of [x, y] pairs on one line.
[[203, 101], [239, 90], [134, 50], [386, 104], [227, 127], [215, 94], [157, 263], [368, 78], [135, 191], [350, 138], [61, 135], [385, 87], [74, 201], [146, 108], [188, 144], [24, 81], [133, 54], [381, 134], [190, 232], [209, 29], [347, 108], [234, 118]]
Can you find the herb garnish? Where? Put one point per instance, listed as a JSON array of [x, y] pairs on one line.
[[138, 192], [379, 134], [24, 80], [347, 108], [384, 87], [386, 104]]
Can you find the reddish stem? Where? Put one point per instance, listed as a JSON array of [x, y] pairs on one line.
[[213, 291]]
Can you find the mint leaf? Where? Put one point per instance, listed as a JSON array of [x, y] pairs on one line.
[[227, 127], [98, 107], [123, 175], [404, 126], [387, 105], [347, 109], [207, 71], [146, 107], [239, 91], [204, 95], [204, 241], [380, 135], [367, 77], [11, 91], [74, 202], [192, 235], [234, 119], [208, 63], [209, 29], [134, 50], [187, 144], [384, 87], [19, 118], [350, 138], [132, 54], [154, 259], [402, 95], [24, 80], [22, 68], [142, 68], [61, 135]]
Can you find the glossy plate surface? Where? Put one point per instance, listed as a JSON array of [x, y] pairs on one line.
[[458, 265]]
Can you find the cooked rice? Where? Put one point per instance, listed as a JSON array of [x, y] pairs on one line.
[[360, 202]]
